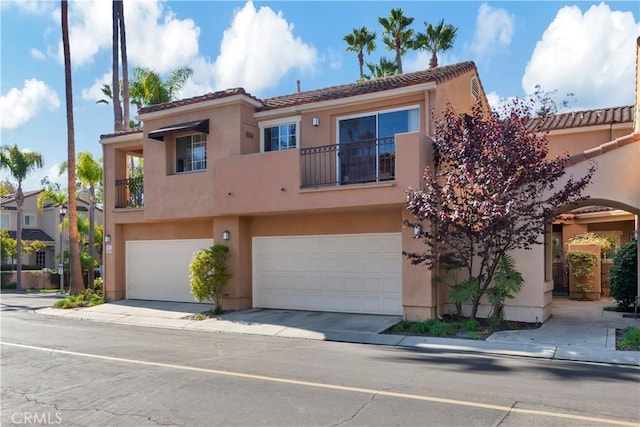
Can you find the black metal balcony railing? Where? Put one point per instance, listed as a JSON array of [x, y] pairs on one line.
[[349, 163], [129, 193]]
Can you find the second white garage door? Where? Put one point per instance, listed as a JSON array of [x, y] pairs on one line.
[[355, 273], [159, 269]]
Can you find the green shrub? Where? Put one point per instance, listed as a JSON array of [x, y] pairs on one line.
[[98, 284], [494, 322], [470, 325], [403, 325], [420, 327], [630, 339], [581, 265], [209, 274], [623, 276], [442, 329], [87, 298]]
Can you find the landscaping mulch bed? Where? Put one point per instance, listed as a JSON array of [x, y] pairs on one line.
[[485, 329]]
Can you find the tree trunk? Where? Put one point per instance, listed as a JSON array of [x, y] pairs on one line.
[[433, 62], [19, 202], [115, 77], [125, 67], [361, 64], [398, 57], [76, 284], [92, 246]]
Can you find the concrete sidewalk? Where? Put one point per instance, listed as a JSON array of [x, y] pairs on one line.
[[577, 330]]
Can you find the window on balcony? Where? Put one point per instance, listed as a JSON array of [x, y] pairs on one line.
[[366, 144], [191, 153]]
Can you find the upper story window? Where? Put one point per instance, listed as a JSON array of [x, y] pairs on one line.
[[279, 134], [30, 220], [5, 221], [381, 124], [191, 153], [281, 137]]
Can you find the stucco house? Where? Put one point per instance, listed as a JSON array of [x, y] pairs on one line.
[[308, 192], [41, 224]]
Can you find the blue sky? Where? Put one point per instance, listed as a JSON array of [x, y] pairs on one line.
[[584, 48]]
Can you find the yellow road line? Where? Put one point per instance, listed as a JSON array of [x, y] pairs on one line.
[[332, 386]]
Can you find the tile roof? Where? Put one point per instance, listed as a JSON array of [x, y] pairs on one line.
[[436, 75], [31, 234], [221, 94], [122, 132], [591, 209], [9, 198], [603, 148], [575, 119]]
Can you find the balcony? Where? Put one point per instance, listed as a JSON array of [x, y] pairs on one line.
[[130, 193], [349, 163]]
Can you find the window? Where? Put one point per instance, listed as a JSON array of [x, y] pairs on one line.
[[5, 221], [41, 258], [279, 134], [367, 144], [191, 153], [282, 137], [30, 220]]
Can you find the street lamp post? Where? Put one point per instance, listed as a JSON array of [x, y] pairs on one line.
[[63, 213]]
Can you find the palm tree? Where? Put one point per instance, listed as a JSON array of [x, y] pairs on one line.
[[125, 67], [115, 68], [76, 284], [147, 87], [436, 39], [89, 172], [20, 164], [358, 41], [397, 35], [383, 69]]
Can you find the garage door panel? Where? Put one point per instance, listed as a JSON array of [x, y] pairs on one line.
[[159, 269], [348, 273]]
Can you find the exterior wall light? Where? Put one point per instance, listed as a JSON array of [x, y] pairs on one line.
[[107, 238], [315, 121], [417, 230], [226, 235]]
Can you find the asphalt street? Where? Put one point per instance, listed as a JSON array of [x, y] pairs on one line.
[[71, 372]]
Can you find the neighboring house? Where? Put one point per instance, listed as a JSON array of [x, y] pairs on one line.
[[574, 133], [308, 192], [42, 225]]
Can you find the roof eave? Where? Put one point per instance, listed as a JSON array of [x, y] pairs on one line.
[[355, 99]]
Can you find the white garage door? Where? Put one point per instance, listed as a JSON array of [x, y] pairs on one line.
[[355, 273], [159, 269]]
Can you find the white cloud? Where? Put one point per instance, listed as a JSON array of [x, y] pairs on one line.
[[335, 59], [29, 6], [590, 55], [156, 38], [420, 61], [259, 49], [94, 92], [52, 173], [494, 27], [37, 54], [18, 106]]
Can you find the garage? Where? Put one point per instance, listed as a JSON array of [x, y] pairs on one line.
[[354, 273], [159, 269]]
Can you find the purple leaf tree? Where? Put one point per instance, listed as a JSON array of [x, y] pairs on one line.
[[491, 190]]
